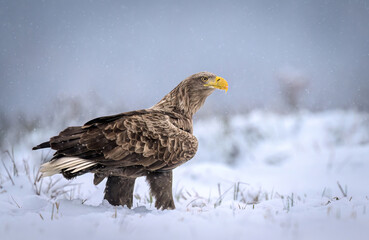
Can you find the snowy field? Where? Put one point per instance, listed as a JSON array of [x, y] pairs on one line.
[[260, 175]]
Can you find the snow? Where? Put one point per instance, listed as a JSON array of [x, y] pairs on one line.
[[260, 175]]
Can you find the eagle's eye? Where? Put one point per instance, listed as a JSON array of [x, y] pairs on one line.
[[204, 79]]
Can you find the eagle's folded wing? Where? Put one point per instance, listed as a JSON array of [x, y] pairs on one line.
[[148, 140]]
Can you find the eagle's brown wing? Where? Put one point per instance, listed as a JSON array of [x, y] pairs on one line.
[[127, 144], [152, 140]]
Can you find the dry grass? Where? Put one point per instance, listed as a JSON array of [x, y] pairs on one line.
[[53, 187]]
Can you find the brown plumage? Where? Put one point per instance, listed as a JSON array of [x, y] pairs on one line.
[[122, 147]]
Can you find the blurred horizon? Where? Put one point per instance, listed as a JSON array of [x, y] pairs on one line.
[[129, 54], [282, 155]]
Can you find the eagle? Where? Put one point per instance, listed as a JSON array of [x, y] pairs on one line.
[[149, 142]]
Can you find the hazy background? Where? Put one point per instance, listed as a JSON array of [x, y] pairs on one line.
[[301, 175], [129, 54]]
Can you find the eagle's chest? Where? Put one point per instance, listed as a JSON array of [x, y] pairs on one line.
[[184, 124]]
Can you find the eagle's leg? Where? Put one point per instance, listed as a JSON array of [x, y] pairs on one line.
[[119, 191], [161, 188]]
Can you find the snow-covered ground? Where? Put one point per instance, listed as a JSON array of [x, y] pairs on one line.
[[255, 176]]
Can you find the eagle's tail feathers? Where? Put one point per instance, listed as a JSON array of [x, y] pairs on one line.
[[65, 165]]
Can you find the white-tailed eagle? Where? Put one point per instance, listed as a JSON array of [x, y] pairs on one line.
[[122, 147]]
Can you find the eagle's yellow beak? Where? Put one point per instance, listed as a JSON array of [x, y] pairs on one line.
[[219, 83]]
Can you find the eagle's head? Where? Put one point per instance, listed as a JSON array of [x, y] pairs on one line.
[[206, 81], [191, 93]]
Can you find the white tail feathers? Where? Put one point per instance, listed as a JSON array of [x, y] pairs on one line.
[[72, 164]]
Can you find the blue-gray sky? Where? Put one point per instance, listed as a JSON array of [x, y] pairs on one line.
[[131, 53]]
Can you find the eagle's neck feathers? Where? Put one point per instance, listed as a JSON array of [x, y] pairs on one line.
[[183, 99]]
